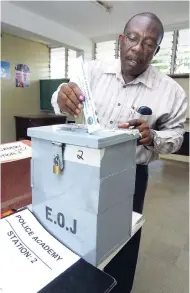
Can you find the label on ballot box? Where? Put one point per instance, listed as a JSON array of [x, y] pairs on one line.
[[30, 257]]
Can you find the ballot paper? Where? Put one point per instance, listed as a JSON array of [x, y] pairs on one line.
[[14, 151], [137, 222], [30, 257], [80, 77]]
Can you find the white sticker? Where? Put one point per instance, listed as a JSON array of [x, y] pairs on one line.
[[83, 155], [14, 151], [36, 257]]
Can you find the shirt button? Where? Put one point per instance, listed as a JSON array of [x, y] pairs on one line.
[[119, 104], [111, 122], [124, 86]]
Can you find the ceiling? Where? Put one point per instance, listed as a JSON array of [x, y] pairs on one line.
[[94, 22], [12, 30]]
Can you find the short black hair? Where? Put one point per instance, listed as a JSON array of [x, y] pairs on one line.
[[153, 17]]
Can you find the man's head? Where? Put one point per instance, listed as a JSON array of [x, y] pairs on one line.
[[139, 43]]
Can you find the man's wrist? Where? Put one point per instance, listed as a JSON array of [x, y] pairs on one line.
[[152, 136], [151, 145]]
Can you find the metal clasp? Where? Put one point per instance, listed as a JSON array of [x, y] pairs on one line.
[[58, 159]]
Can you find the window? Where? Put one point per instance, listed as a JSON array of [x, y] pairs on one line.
[[61, 62], [105, 50], [57, 63], [182, 64], [163, 59], [72, 55]]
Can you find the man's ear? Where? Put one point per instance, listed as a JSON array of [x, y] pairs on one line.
[[157, 50], [121, 37]]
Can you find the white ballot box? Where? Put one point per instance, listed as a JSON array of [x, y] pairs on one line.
[[83, 186]]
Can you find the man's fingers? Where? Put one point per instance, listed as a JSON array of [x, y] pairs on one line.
[[135, 122], [144, 134], [64, 102], [64, 108], [77, 91], [145, 138], [143, 127], [67, 110], [72, 107], [144, 141], [71, 96], [123, 125]]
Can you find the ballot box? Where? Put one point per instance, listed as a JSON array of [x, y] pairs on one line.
[[15, 175], [83, 186]]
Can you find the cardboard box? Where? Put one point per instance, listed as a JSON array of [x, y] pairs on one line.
[[15, 175]]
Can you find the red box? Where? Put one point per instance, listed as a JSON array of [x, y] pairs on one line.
[[15, 183]]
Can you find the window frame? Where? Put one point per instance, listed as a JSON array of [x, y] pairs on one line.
[[174, 47], [66, 49]]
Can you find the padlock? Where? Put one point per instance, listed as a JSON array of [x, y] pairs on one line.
[[56, 165]]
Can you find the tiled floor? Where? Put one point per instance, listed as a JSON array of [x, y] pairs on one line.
[[163, 258]]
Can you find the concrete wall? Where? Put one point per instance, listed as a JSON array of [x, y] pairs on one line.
[[16, 100]]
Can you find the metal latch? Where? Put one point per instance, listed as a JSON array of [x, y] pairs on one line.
[[58, 158]]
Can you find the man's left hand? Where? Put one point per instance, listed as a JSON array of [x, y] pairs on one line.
[[144, 129]]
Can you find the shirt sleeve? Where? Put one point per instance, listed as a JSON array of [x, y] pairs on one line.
[[54, 101], [168, 137]]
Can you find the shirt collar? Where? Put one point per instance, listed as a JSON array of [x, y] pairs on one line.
[[147, 77]]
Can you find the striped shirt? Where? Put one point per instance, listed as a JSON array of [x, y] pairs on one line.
[[117, 102]]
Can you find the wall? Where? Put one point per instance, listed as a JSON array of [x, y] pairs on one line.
[[18, 101], [44, 28]]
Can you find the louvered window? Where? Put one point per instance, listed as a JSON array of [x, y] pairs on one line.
[[163, 59], [72, 55], [105, 50], [57, 63], [182, 64]]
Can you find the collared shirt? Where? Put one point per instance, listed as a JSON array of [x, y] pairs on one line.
[[117, 102]]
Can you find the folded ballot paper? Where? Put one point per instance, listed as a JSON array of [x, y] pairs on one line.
[[80, 76], [31, 259]]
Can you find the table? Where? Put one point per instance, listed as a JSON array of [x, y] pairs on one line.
[[81, 278], [23, 122]]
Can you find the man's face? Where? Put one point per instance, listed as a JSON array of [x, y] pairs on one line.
[[138, 45]]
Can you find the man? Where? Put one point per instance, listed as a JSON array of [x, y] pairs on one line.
[[119, 89]]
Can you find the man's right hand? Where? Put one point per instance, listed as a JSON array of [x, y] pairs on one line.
[[70, 99]]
